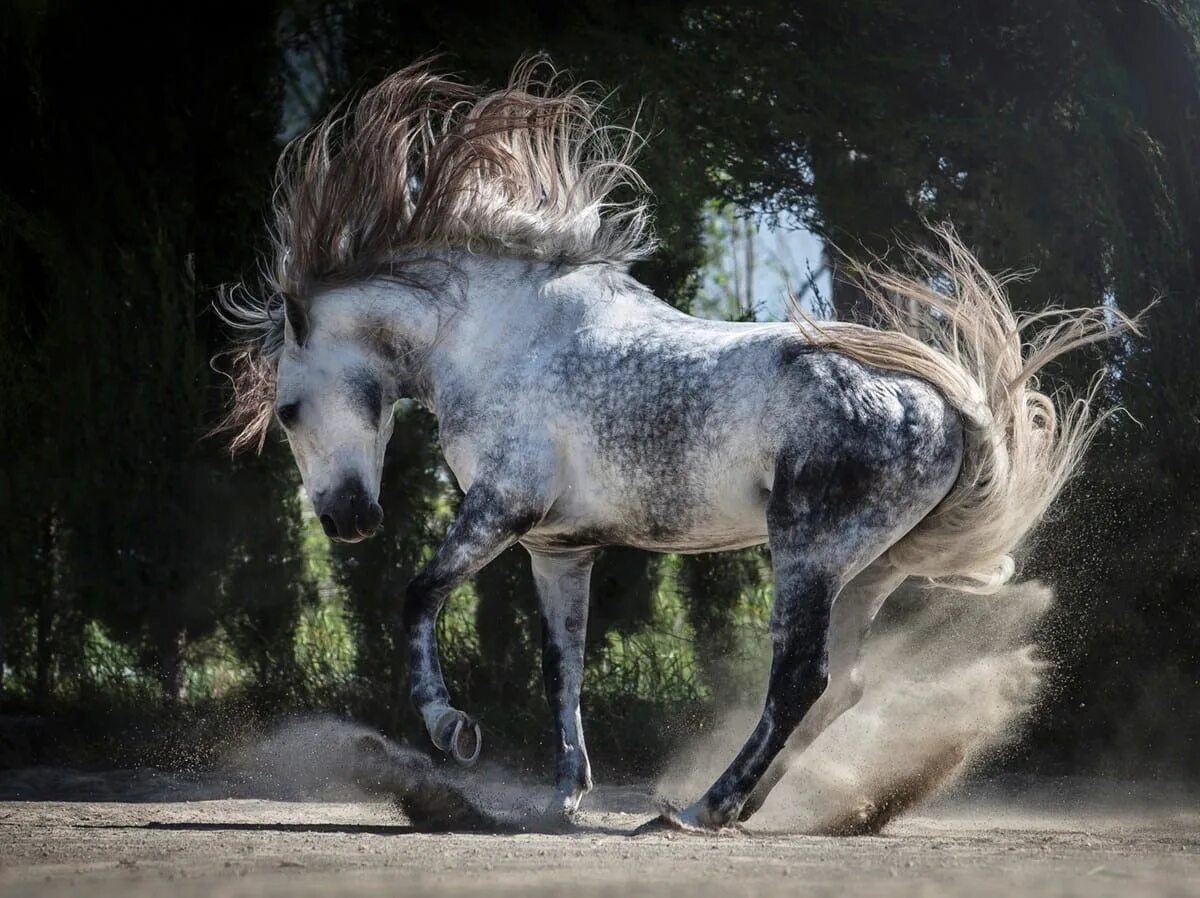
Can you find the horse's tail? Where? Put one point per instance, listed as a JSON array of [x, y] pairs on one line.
[[1021, 446]]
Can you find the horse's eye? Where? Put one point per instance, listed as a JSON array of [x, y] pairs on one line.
[[288, 414]]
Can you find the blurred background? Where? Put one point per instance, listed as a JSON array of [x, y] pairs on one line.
[[156, 596]]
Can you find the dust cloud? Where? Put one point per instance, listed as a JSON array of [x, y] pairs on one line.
[[325, 757], [948, 680]]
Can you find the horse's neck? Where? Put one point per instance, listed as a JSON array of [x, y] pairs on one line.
[[510, 312], [498, 308], [483, 315], [497, 317]]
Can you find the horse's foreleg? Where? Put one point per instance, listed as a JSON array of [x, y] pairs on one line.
[[563, 586], [487, 523], [849, 624]]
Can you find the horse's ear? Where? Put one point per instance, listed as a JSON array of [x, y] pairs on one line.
[[297, 318]]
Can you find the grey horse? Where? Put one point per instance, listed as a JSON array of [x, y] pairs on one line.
[[469, 250]]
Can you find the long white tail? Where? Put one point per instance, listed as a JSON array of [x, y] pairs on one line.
[[1021, 448]]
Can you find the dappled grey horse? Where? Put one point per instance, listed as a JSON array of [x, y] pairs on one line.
[[470, 251]]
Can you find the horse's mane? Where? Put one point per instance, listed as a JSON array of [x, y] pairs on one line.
[[423, 162]]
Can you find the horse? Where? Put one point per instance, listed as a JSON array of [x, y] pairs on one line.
[[470, 250]]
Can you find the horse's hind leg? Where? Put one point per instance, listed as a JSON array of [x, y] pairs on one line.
[[849, 623], [828, 518]]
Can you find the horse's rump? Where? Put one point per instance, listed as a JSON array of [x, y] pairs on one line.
[[1021, 446]]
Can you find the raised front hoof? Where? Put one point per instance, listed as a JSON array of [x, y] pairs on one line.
[[458, 736]]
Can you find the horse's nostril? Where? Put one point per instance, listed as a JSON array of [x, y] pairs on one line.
[[328, 525], [372, 518]]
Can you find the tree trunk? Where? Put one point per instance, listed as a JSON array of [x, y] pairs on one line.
[[171, 669], [1, 662], [849, 301], [712, 585], [398, 702], [45, 619]]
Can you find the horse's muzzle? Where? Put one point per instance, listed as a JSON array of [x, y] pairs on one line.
[[348, 514]]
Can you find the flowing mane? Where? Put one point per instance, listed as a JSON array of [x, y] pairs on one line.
[[424, 162]]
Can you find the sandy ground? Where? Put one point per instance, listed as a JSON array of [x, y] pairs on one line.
[[947, 682], [1083, 839]]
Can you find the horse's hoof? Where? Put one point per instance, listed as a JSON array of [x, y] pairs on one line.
[[564, 805], [655, 825], [459, 736], [672, 819]]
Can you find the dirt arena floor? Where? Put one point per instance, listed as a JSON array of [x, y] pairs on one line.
[[1017, 838]]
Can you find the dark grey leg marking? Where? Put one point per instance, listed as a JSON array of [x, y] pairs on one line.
[[849, 625], [486, 525], [803, 596], [563, 585], [830, 515]]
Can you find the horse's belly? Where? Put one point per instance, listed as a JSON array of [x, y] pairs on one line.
[[579, 533], [730, 514], [705, 512]]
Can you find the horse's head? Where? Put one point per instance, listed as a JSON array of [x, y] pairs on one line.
[[334, 399]]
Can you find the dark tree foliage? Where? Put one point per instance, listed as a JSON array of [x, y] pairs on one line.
[[126, 199], [1063, 136], [713, 584]]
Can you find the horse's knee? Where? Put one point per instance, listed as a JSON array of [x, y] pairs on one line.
[[419, 603]]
